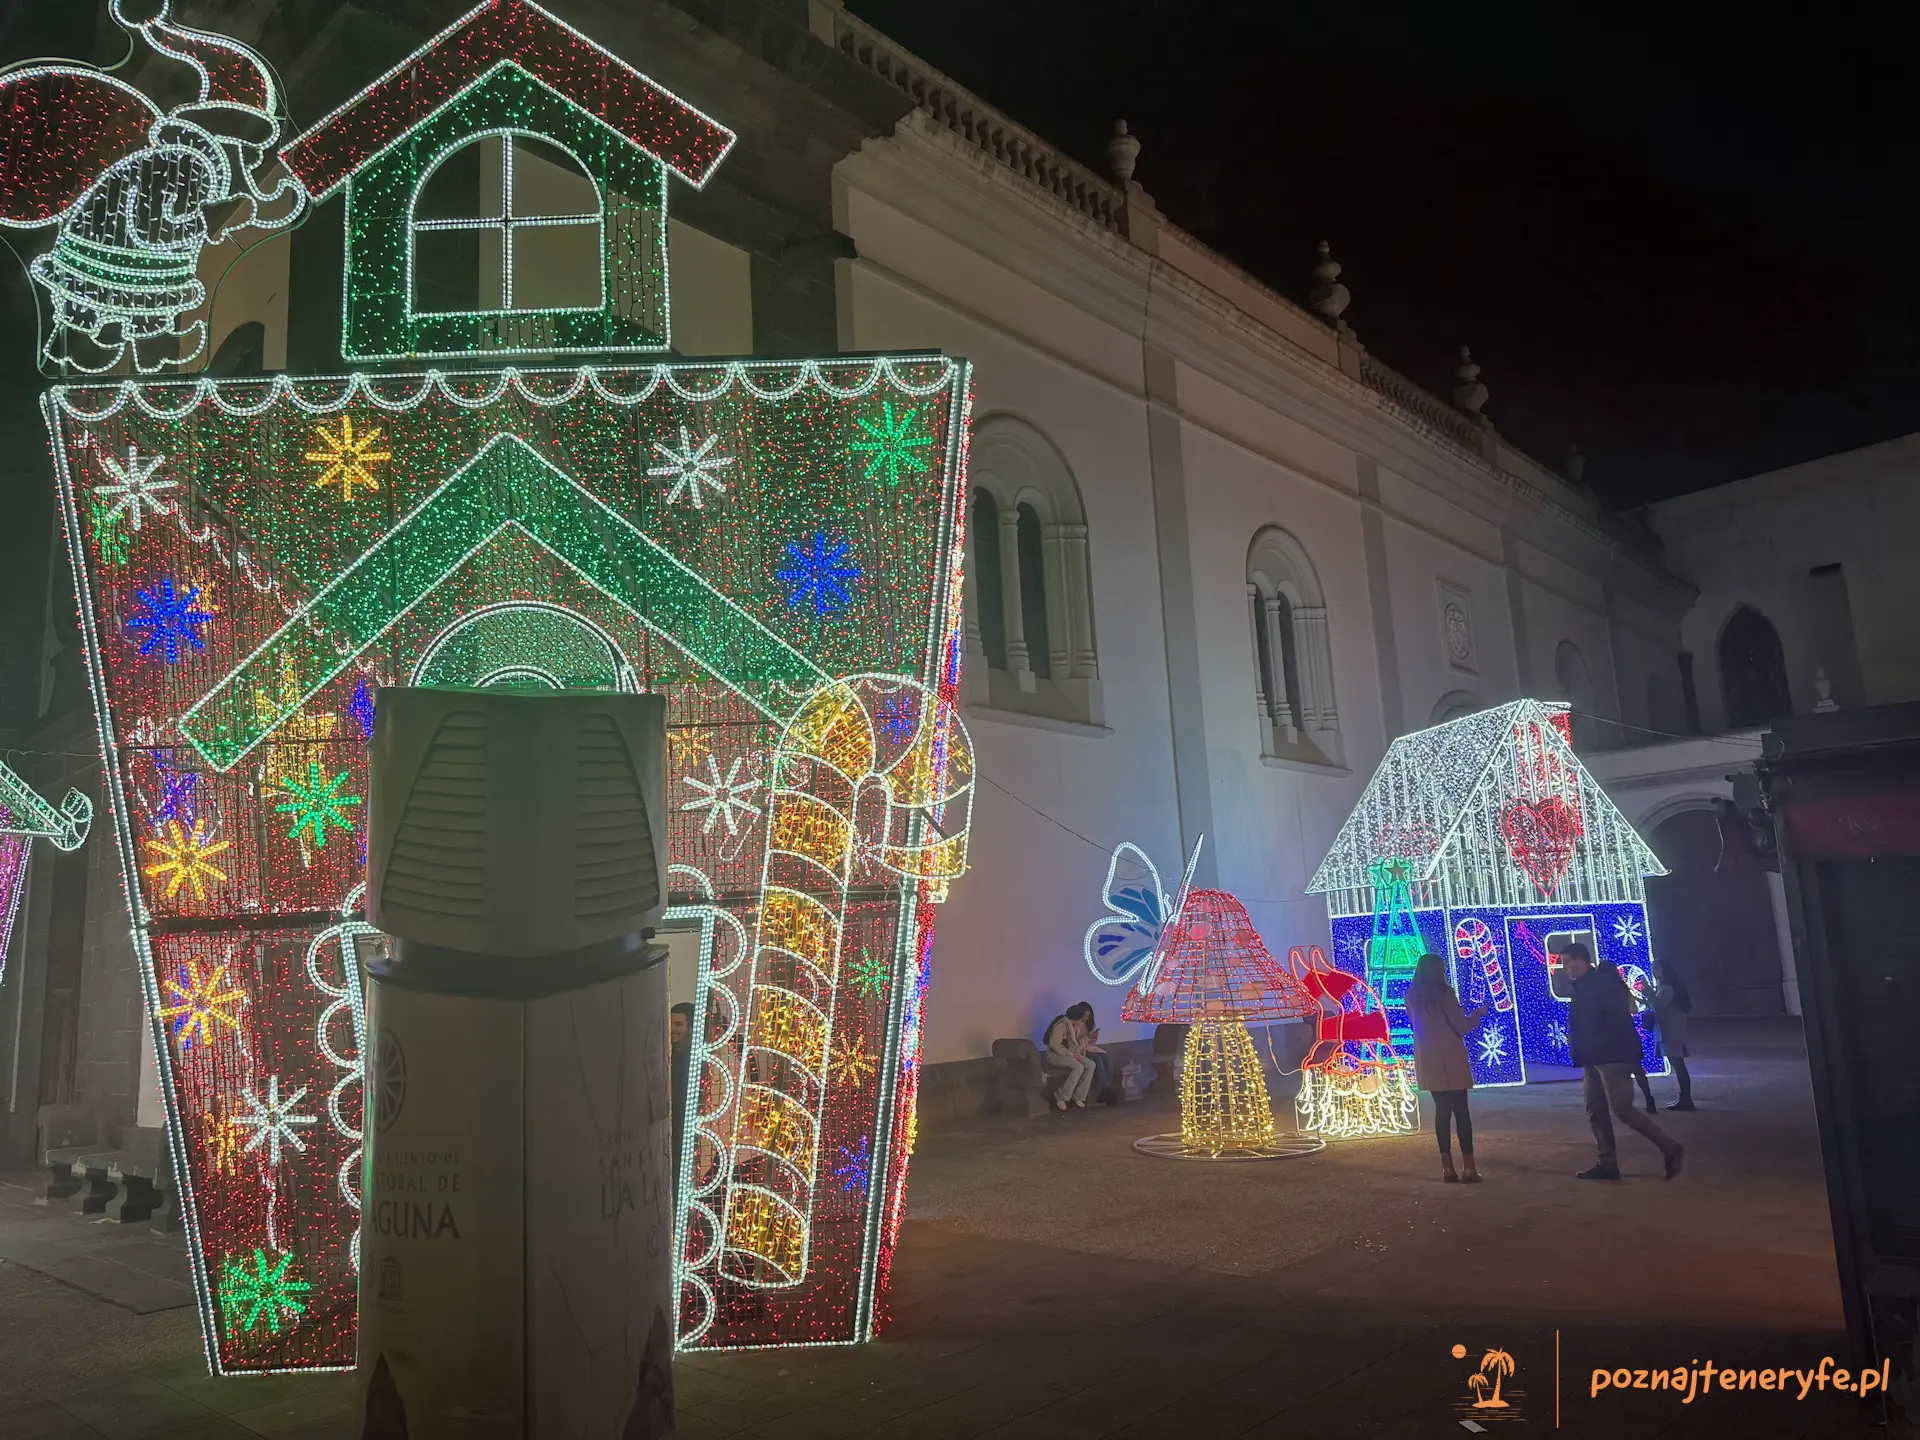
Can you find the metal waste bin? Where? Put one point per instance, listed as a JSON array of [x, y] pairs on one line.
[[515, 1243]]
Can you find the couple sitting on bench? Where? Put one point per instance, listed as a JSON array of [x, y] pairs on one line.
[[1070, 1046]]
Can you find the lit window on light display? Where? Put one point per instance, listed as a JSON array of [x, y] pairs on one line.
[[773, 546], [1487, 842]]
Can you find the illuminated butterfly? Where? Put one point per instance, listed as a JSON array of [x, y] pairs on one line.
[[1122, 941]]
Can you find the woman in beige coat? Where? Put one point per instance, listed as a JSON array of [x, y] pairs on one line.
[[1440, 1058]]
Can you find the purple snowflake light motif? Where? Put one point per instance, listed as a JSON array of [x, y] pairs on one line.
[[855, 1169], [819, 573], [170, 619], [177, 800], [899, 717], [361, 708]]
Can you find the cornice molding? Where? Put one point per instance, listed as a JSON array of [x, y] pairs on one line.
[[923, 167]]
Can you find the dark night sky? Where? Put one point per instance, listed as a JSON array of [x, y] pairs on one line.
[[1685, 240]]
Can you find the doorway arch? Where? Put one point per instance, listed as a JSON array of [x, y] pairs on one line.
[[526, 645], [1711, 922]]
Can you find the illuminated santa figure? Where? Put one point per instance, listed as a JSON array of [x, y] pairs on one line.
[[1487, 842]]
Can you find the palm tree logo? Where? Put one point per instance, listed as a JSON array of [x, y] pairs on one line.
[[1498, 1364]]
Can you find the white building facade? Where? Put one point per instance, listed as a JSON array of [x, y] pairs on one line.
[[1277, 554]]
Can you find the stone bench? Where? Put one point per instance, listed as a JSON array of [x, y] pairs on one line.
[[126, 1183], [1168, 1042], [93, 1169], [1031, 1082], [139, 1175], [68, 1133]]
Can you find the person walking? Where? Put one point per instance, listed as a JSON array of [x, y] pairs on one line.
[[1440, 1061], [1605, 1044], [1064, 1041], [1642, 1001], [1672, 1004]]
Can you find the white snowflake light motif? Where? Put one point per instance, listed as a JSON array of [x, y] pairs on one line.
[[690, 466], [136, 487], [1353, 945], [1493, 1047], [1557, 1033], [722, 799], [274, 1119], [1627, 930]]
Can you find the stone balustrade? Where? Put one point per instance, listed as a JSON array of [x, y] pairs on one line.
[[1104, 203], [979, 124]]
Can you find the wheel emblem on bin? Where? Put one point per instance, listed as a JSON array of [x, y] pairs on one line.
[[390, 1079]]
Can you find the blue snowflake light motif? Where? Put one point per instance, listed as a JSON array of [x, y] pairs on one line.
[[1627, 930], [361, 708], [898, 718], [819, 573], [855, 1168], [169, 619]]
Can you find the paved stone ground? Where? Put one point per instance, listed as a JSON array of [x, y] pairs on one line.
[[1054, 1283]]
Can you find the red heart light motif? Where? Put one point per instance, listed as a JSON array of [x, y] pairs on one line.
[[1540, 836]]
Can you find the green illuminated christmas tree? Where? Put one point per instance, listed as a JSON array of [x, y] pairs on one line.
[[1395, 946]]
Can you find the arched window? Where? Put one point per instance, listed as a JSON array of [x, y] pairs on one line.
[[506, 223], [1293, 664], [1753, 671], [1029, 593], [984, 581], [1454, 705], [243, 352], [1576, 688], [1664, 713], [1033, 592]]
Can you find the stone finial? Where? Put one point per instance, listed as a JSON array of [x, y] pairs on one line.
[[1823, 688], [1576, 464], [1468, 393], [1122, 151], [1329, 298]]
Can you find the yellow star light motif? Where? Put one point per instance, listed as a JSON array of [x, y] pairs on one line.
[[223, 1141], [348, 458], [201, 1006], [182, 858], [689, 747], [292, 744], [853, 1063]]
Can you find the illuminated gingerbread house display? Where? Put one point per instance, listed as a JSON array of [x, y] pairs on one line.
[[1486, 841], [773, 546]]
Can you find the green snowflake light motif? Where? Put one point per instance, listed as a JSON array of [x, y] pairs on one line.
[[890, 445], [316, 804], [253, 1290], [870, 973], [109, 533]]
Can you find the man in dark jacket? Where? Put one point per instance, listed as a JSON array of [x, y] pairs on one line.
[[1604, 1042]]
